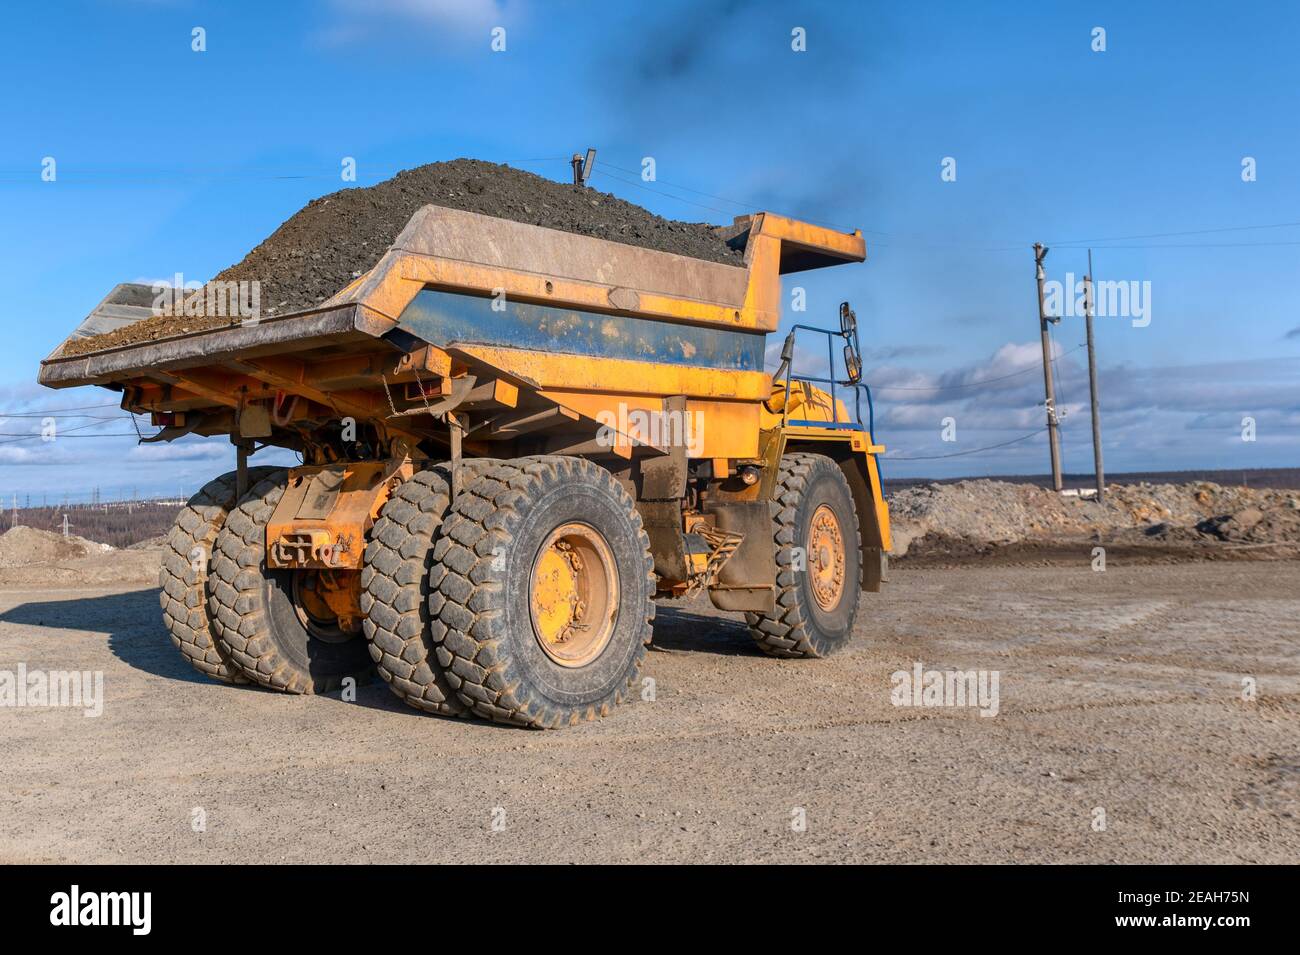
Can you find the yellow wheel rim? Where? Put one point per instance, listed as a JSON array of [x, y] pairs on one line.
[[826, 558], [573, 595]]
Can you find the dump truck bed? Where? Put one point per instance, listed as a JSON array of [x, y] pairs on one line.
[[459, 294], [310, 336]]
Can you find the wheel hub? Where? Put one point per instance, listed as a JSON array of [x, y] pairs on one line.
[[826, 558], [328, 602], [573, 595]]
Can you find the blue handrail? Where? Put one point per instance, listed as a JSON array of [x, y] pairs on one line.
[[858, 387]]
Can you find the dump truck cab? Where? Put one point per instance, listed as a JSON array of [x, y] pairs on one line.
[[486, 379]]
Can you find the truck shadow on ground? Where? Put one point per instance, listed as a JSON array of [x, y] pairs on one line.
[[131, 620], [136, 637], [680, 629]]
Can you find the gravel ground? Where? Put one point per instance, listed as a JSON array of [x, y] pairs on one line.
[[338, 237], [1120, 690]]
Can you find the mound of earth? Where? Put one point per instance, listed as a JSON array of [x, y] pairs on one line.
[[970, 517], [22, 546], [338, 237]]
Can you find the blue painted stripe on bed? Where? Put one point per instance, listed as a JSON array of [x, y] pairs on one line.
[[443, 318]]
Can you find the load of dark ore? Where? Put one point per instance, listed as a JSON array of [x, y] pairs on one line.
[[336, 238]]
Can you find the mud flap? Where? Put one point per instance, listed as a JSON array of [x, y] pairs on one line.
[[747, 581], [875, 569]]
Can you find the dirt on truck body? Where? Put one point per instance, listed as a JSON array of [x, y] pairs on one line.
[[516, 439], [338, 237]]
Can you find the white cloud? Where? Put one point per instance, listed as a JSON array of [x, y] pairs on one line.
[[440, 12], [200, 450], [356, 21], [12, 455]]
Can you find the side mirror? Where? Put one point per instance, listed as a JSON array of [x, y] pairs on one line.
[[852, 355], [848, 321], [787, 350], [852, 365]]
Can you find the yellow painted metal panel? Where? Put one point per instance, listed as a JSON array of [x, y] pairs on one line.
[[849, 246], [710, 429], [477, 254]]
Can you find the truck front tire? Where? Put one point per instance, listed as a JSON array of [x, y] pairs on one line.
[[819, 561]]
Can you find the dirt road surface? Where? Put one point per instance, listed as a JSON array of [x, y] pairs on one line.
[[1119, 693]]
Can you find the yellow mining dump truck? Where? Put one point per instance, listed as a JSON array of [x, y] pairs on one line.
[[514, 440]]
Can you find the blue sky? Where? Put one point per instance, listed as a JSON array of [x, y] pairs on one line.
[[175, 161]]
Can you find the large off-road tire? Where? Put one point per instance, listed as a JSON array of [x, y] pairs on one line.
[[395, 587], [545, 590], [819, 561], [255, 620], [184, 575]]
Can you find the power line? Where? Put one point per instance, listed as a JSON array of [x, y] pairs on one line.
[[1188, 245], [958, 454], [1008, 246], [13, 439], [90, 173], [1169, 235], [970, 384], [15, 414], [46, 414], [73, 175], [747, 206], [112, 434], [735, 202], [659, 192]]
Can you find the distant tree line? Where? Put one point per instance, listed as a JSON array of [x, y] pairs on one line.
[[119, 524]]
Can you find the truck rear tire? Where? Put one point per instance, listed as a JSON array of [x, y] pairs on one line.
[[545, 592], [819, 561], [395, 587], [183, 578], [260, 622]]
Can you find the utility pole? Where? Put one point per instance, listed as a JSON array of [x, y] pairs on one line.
[[1097, 466], [65, 525], [1053, 424]]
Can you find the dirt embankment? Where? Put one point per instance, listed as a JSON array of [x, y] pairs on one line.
[[336, 238], [33, 557], [21, 546], [980, 518]]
